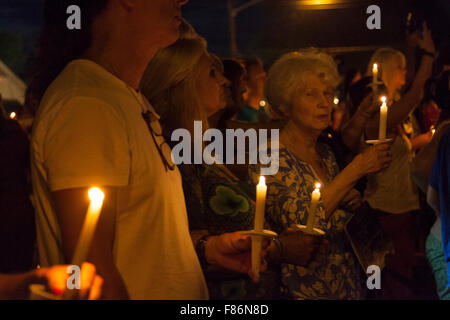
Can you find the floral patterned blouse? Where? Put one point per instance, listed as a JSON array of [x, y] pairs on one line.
[[287, 204], [218, 201]]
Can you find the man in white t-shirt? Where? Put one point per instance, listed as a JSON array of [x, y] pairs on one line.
[[90, 131]]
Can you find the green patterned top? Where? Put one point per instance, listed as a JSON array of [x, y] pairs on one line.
[[218, 201]]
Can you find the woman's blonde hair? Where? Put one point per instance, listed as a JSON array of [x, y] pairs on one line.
[[386, 59], [169, 83], [285, 77]]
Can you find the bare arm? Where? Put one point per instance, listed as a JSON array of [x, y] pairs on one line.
[[353, 130], [400, 110], [412, 41], [337, 189], [421, 141], [71, 206], [372, 160]]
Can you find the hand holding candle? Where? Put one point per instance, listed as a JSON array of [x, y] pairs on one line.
[[312, 217]]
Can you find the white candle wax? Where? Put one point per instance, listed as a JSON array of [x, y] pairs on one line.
[[90, 223], [315, 196], [261, 190], [383, 120]]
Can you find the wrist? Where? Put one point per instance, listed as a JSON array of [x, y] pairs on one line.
[[203, 249], [357, 168]]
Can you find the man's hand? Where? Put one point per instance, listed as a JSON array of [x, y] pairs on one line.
[[233, 251]]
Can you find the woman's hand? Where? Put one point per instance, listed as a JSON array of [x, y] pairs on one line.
[[369, 106], [233, 252], [55, 279], [426, 42], [352, 200], [374, 159], [298, 248]]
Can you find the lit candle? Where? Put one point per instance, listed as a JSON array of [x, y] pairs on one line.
[[261, 190], [315, 196], [12, 115], [90, 223], [375, 73], [383, 120]]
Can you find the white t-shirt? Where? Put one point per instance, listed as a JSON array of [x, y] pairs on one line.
[[89, 131]]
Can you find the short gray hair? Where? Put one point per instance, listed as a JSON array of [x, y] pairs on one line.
[[286, 75]]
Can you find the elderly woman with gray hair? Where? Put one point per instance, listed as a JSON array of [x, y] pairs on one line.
[[300, 87]]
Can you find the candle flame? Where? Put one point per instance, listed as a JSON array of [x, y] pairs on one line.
[[12, 115], [318, 185], [336, 101], [375, 67], [383, 99], [262, 103], [96, 195], [262, 181]]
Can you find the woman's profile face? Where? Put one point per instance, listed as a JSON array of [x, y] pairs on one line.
[[312, 104], [210, 86]]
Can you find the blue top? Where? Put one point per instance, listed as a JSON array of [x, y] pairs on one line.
[[440, 181], [288, 201], [251, 115]]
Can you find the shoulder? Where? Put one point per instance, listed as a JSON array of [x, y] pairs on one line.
[[79, 91]]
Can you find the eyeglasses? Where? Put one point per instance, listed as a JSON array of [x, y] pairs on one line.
[[165, 152]]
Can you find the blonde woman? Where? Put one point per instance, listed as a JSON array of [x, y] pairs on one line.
[[392, 194], [183, 84]]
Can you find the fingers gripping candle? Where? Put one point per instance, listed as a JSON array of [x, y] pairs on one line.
[[261, 190]]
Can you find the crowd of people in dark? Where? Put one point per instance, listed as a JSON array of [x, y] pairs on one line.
[[106, 102]]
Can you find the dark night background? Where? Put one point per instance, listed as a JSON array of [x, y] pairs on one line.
[[266, 30]]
